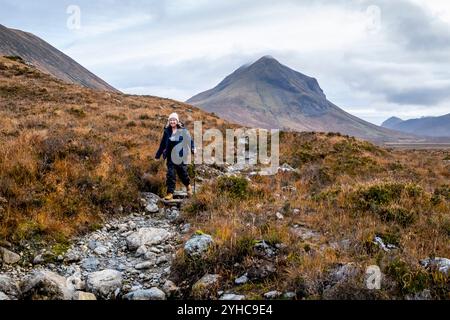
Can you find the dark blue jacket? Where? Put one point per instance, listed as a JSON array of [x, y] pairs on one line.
[[165, 142]]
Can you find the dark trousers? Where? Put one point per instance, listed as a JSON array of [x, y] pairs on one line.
[[172, 171]]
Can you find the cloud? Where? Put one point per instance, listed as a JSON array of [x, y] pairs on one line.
[[375, 58]]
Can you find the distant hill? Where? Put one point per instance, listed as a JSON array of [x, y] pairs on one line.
[[426, 126], [48, 59], [268, 94]]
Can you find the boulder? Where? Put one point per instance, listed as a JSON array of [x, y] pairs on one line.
[[147, 236], [8, 257], [198, 245], [150, 294], [9, 286], [152, 208], [3, 297], [45, 285], [206, 287], [104, 283], [81, 295]]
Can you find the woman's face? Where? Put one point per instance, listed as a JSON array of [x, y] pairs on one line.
[[173, 123]]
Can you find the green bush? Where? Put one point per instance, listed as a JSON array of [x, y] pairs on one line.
[[236, 187]]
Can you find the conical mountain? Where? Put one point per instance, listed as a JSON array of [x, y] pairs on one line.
[[267, 94]]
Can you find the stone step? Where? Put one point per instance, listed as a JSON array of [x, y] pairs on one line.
[[173, 202], [180, 195]]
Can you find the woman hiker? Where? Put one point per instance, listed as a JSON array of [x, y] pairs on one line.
[[176, 138]]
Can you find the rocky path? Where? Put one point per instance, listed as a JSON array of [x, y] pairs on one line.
[[129, 258]]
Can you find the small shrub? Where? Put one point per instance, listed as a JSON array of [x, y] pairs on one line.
[[236, 187]]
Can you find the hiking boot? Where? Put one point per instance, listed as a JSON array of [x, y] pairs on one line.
[[189, 191], [168, 197]]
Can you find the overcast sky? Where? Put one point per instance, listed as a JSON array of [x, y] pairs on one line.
[[374, 59]]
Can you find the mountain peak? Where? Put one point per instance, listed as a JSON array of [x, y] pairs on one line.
[[391, 122]]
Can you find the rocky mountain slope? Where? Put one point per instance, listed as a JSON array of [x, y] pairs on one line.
[[425, 126], [47, 58], [268, 94]]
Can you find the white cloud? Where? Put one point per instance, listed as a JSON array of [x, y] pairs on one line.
[[374, 66]]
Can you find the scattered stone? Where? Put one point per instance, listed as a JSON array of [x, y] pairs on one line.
[[3, 297], [185, 228], [241, 280], [170, 289], [45, 285], [142, 250], [104, 283], [279, 216], [386, 247], [343, 273], [206, 287], [74, 281], [289, 295], [304, 233], [92, 244], [231, 297], [441, 264], [261, 270], [72, 256], [150, 294], [81, 295], [90, 264], [286, 168], [9, 286], [296, 211], [272, 294], [264, 250], [152, 208], [8, 257], [144, 265], [147, 236], [150, 256], [198, 244], [101, 250]]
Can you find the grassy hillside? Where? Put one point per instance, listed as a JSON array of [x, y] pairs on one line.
[[345, 193], [69, 155]]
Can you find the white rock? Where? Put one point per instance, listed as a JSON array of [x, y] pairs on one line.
[[101, 250], [9, 286], [142, 250], [150, 294], [144, 265], [3, 297], [8, 257], [272, 294], [80, 295], [279, 216], [147, 236], [241, 280], [441, 264], [46, 285], [232, 296], [104, 283], [152, 208], [198, 244]]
